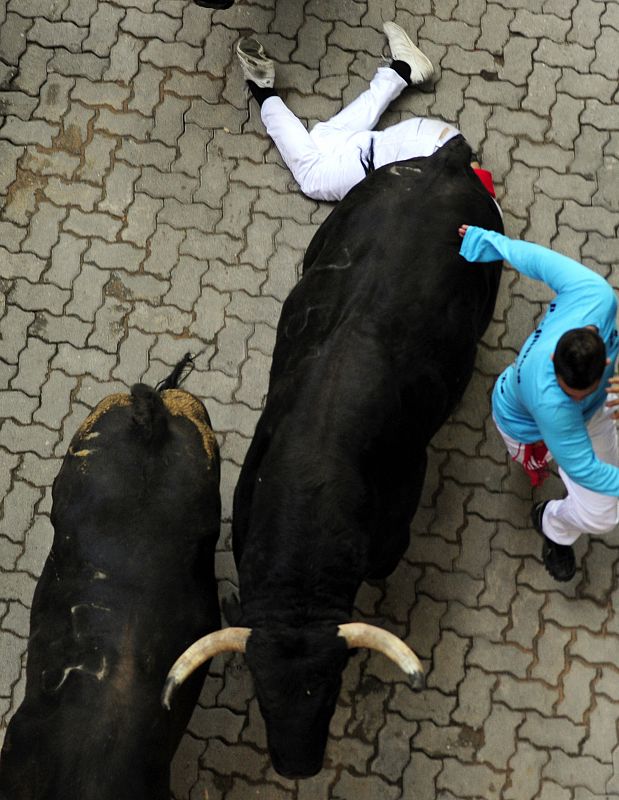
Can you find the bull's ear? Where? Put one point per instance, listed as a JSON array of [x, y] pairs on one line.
[[224, 641], [359, 634]]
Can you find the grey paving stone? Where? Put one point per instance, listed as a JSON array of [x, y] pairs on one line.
[[586, 218], [33, 298], [545, 732], [22, 439], [476, 778], [130, 123], [13, 647], [186, 283], [44, 230], [188, 215], [605, 48], [18, 104], [55, 329], [160, 319], [15, 265], [54, 98], [254, 380], [192, 147], [32, 69], [17, 406], [133, 357], [525, 695], [96, 225], [9, 156], [97, 159], [31, 132], [145, 89], [83, 361], [13, 33], [581, 771], [162, 54], [526, 768], [141, 219], [63, 193], [124, 59], [419, 776], [56, 162], [87, 294], [103, 29], [163, 250], [575, 701], [39, 471], [448, 663], [474, 697], [348, 785], [119, 189], [199, 85], [11, 235], [152, 154], [159, 184], [57, 34], [100, 93], [65, 260], [499, 741]]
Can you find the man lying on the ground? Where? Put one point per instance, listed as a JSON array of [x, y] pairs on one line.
[[335, 155]]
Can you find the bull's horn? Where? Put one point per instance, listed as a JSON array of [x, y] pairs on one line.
[[226, 640], [359, 634]]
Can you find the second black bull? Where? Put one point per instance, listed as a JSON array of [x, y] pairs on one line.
[[374, 349]]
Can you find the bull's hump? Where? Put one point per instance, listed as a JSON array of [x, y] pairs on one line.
[[182, 404]]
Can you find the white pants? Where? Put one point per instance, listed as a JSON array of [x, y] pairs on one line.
[[328, 161], [582, 511]]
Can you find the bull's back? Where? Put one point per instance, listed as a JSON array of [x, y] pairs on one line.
[[386, 264], [127, 586], [376, 343]]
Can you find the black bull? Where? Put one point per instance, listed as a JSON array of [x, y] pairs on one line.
[[128, 584], [375, 347]]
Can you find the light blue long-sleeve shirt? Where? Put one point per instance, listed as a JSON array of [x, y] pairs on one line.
[[527, 401]]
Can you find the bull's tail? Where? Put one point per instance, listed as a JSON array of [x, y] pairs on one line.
[[176, 376], [149, 414]]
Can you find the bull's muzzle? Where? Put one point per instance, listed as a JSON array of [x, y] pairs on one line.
[[218, 6]]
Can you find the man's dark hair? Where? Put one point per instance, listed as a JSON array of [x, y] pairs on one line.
[[580, 358]]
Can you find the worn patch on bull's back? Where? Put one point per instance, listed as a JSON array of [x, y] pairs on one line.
[[182, 404], [111, 401]]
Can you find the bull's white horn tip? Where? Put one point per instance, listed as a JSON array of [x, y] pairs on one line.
[[417, 679], [168, 690]]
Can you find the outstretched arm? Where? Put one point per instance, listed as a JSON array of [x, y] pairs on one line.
[[557, 271]]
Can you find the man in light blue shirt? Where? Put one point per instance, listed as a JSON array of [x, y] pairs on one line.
[[553, 395]]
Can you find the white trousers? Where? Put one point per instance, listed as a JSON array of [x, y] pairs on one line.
[[582, 511], [328, 161]]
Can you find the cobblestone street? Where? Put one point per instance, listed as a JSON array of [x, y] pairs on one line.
[[144, 213]]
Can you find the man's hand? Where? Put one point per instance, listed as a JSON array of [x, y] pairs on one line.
[[613, 389], [462, 230]]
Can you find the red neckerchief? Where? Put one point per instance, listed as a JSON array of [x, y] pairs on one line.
[[485, 176]]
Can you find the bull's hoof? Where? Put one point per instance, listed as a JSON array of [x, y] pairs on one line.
[[214, 4]]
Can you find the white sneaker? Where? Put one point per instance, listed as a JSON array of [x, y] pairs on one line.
[[402, 49], [255, 63]]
